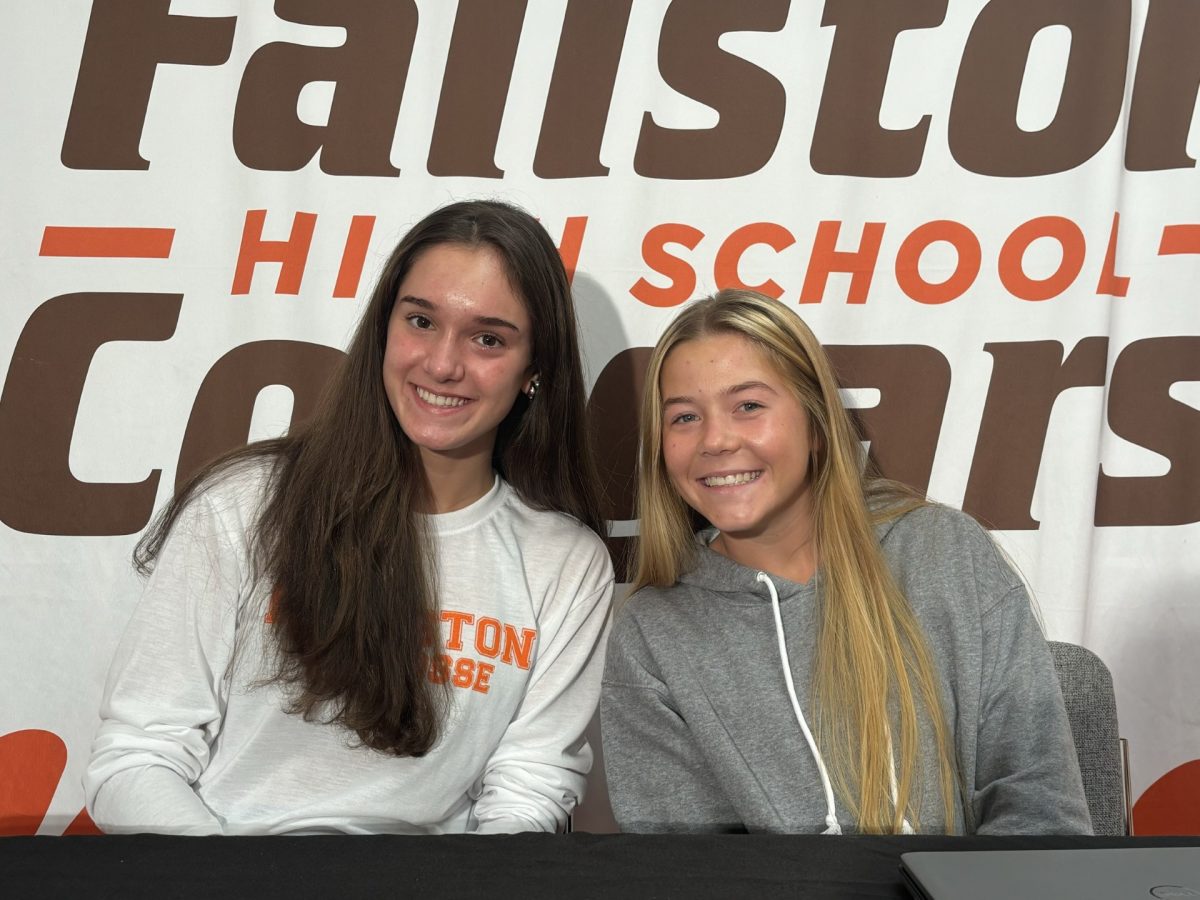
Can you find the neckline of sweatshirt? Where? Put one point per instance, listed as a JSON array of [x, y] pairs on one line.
[[739, 585], [473, 514]]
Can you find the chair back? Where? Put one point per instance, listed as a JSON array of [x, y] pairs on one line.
[[1087, 690]]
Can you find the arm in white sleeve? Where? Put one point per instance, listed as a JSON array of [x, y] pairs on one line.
[[165, 695], [536, 775], [154, 799]]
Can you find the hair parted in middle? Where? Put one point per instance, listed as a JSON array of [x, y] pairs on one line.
[[870, 647], [340, 538]]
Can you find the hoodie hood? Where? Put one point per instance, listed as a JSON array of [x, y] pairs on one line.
[[711, 571]]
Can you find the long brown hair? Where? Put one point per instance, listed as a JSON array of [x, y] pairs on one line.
[[870, 647], [339, 539]]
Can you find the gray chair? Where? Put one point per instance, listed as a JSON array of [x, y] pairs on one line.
[[1087, 689]]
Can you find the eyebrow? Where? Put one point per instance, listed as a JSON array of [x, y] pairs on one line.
[[727, 392], [490, 321]]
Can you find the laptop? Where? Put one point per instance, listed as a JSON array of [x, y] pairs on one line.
[[1115, 873]]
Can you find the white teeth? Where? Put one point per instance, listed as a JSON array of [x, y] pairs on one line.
[[438, 400], [739, 478]]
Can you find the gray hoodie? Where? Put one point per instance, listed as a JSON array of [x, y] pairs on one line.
[[699, 732]]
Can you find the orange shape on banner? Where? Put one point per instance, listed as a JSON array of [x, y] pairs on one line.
[[121, 243], [83, 824], [1172, 804], [1179, 239], [31, 764]]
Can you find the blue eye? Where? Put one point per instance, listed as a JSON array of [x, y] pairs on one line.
[[750, 406], [684, 418]]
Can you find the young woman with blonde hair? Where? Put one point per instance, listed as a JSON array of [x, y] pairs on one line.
[[833, 653], [390, 619]]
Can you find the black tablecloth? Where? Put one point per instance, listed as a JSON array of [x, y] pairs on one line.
[[626, 867]]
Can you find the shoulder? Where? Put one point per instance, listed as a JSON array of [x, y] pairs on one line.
[[934, 519], [937, 528], [648, 605], [652, 605], [207, 531], [235, 492], [550, 533], [561, 564], [216, 515], [935, 544], [650, 617], [641, 628], [710, 590]]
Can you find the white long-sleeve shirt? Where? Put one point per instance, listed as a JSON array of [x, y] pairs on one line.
[[193, 742]]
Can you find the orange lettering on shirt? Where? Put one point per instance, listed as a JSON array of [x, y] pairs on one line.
[[456, 620], [483, 677], [518, 647], [487, 636], [464, 672]]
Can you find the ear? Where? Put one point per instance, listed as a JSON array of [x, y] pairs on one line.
[[531, 386]]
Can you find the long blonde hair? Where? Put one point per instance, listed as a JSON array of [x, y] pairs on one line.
[[870, 648]]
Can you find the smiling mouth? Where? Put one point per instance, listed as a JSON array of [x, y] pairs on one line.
[[730, 480], [440, 400]]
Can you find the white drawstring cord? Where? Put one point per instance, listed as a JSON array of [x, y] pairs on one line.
[[831, 822], [905, 826]]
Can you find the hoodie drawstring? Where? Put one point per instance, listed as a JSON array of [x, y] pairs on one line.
[[905, 825], [831, 822]]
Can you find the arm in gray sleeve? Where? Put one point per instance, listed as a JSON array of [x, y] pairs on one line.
[[1027, 774], [658, 780]]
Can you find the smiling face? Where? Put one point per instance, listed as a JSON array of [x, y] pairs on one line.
[[459, 349], [736, 440]]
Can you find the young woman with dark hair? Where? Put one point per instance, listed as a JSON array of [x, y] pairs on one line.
[[820, 594], [387, 620]]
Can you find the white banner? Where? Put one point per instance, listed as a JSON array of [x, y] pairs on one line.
[[988, 210]]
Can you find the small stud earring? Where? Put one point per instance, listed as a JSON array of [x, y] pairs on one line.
[[533, 387]]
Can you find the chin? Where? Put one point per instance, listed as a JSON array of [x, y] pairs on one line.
[[727, 523], [441, 446], [737, 528]]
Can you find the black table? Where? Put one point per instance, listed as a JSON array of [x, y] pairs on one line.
[[525, 866]]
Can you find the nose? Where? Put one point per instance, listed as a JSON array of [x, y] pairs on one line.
[[444, 361], [717, 437]]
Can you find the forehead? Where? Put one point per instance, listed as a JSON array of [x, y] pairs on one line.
[[472, 279], [717, 360]]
